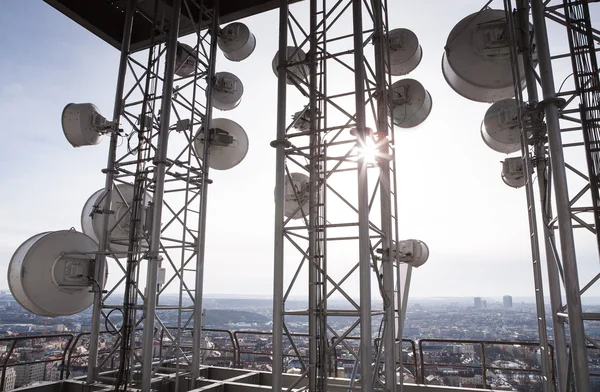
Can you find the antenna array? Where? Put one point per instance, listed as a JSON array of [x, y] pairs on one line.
[[146, 216]]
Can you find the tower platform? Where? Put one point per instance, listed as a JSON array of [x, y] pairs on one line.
[[226, 380], [106, 18]]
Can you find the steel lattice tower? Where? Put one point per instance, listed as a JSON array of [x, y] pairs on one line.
[[159, 113], [344, 236], [558, 129]]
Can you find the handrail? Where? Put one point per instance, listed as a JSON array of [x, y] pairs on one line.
[[483, 365], [16, 339], [233, 350], [418, 350], [264, 333], [412, 364]]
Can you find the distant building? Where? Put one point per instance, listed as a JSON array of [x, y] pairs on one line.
[[477, 302], [484, 304], [11, 377], [26, 374], [507, 299]]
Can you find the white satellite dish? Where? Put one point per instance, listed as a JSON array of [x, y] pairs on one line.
[[227, 91], [83, 125], [186, 60], [413, 252], [500, 127], [405, 51], [236, 41], [513, 172], [50, 274], [299, 71], [228, 146], [119, 222], [411, 103], [296, 195], [476, 62]]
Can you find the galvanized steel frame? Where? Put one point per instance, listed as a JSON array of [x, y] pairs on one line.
[[327, 151], [175, 178], [562, 122]]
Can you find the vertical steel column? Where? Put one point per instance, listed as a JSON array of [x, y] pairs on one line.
[[199, 284], [314, 364], [521, 44], [100, 266], [160, 162], [279, 145], [366, 371], [558, 327], [389, 338], [576, 328]]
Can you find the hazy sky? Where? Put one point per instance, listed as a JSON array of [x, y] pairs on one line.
[[450, 192]]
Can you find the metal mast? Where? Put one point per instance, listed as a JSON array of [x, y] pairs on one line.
[[531, 132], [331, 227], [571, 125], [160, 111]]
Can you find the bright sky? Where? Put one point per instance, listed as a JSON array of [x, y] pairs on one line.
[[450, 192]]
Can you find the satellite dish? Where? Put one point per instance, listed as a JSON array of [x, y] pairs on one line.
[[301, 119], [413, 252], [411, 103], [229, 144], [405, 51], [236, 41], [49, 274], [296, 195], [513, 172], [186, 60], [227, 91], [294, 55], [119, 222], [83, 125], [476, 62], [500, 127]]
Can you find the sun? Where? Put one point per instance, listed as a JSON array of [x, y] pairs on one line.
[[369, 151]]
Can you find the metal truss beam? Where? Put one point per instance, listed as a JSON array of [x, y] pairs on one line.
[[159, 112], [347, 220]]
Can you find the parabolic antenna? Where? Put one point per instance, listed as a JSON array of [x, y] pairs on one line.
[[405, 51], [83, 124], [513, 172], [236, 41], [119, 222], [411, 103], [299, 71], [413, 252], [476, 62], [49, 274], [227, 91], [500, 127], [296, 195], [302, 119], [228, 144], [185, 60]]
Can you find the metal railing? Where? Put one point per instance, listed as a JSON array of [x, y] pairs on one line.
[[14, 341], [421, 364], [483, 362]]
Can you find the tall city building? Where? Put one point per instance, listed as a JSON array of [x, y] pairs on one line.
[[477, 302], [10, 378], [507, 299], [26, 374]]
